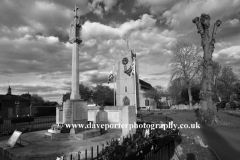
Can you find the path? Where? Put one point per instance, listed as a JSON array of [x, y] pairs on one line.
[[2, 139], [225, 141]]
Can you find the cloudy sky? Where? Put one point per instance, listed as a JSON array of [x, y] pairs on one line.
[[35, 55]]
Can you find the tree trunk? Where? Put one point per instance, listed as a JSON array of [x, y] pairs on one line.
[[190, 97], [208, 109]]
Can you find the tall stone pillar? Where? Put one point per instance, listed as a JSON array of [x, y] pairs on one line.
[[75, 40], [75, 110]]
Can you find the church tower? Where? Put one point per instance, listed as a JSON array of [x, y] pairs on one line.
[[125, 93]]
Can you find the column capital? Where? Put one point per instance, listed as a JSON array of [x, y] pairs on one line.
[[75, 29]]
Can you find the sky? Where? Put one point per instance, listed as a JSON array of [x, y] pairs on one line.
[[35, 55]]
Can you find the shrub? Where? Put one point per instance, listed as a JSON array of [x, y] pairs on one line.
[[130, 146]]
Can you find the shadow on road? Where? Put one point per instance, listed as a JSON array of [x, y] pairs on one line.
[[191, 156], [214, 139]]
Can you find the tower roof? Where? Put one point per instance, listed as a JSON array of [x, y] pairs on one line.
[[13, 98], [10, 97], [9, 91]]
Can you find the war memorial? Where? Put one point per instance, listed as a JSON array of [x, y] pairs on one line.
[[111, 132]]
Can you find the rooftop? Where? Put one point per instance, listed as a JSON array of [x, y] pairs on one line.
[[144, 85], [10, 97]]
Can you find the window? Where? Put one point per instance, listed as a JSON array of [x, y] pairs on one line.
[[126, 101], [146, 102], [125, 89]]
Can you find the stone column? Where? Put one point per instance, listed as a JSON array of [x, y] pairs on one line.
[[75, 110], [75, 40], [75, 72]]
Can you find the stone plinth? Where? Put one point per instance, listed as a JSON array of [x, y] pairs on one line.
[[59, 115], [75, 112], [54, 131], [123, 115], [128, 117], [78, 136]]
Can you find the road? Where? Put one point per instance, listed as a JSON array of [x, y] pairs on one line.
[[223, 139]]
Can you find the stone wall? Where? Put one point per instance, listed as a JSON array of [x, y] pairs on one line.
[[186, 107]]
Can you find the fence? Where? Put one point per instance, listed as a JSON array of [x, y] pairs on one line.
[[8, 125], [158, 149]]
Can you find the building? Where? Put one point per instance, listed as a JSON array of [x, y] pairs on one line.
[[125, 93], [145, 102], [46, 109], [14, 105]]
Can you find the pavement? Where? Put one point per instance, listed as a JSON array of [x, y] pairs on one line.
[[41, 148], [223, 139], [2, 139]]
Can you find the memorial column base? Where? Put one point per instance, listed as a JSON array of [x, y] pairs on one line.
[[75, 112]]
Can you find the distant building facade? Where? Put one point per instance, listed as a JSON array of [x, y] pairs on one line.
[[145, 102], [14, 105]]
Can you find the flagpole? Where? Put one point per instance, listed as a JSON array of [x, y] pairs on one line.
[[135, 79], [114, 81]]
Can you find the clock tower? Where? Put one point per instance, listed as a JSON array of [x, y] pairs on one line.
[[125, 93]]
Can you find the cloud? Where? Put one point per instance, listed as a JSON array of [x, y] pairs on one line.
[[231, 52], [120, 10], [25, 88], [35, 52], [234, 22], [101, 7], [157, 6], [108, 32], [180, 15], [97, 77]]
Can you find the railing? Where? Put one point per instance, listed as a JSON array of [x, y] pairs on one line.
[[159, 149], [25, 124]]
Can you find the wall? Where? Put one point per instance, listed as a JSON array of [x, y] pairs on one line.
[[113, 115]]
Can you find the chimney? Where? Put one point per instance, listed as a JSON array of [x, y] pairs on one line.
[[9, 91]]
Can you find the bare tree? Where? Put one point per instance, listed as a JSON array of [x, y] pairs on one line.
[[186, 63], [174, 90], [224, 80], [208, 109], [155, 93], [229, 79]]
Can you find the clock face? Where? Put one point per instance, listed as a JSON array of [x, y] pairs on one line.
[[125, 61]]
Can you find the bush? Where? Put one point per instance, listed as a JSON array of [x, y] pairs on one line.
[[130, 146]]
